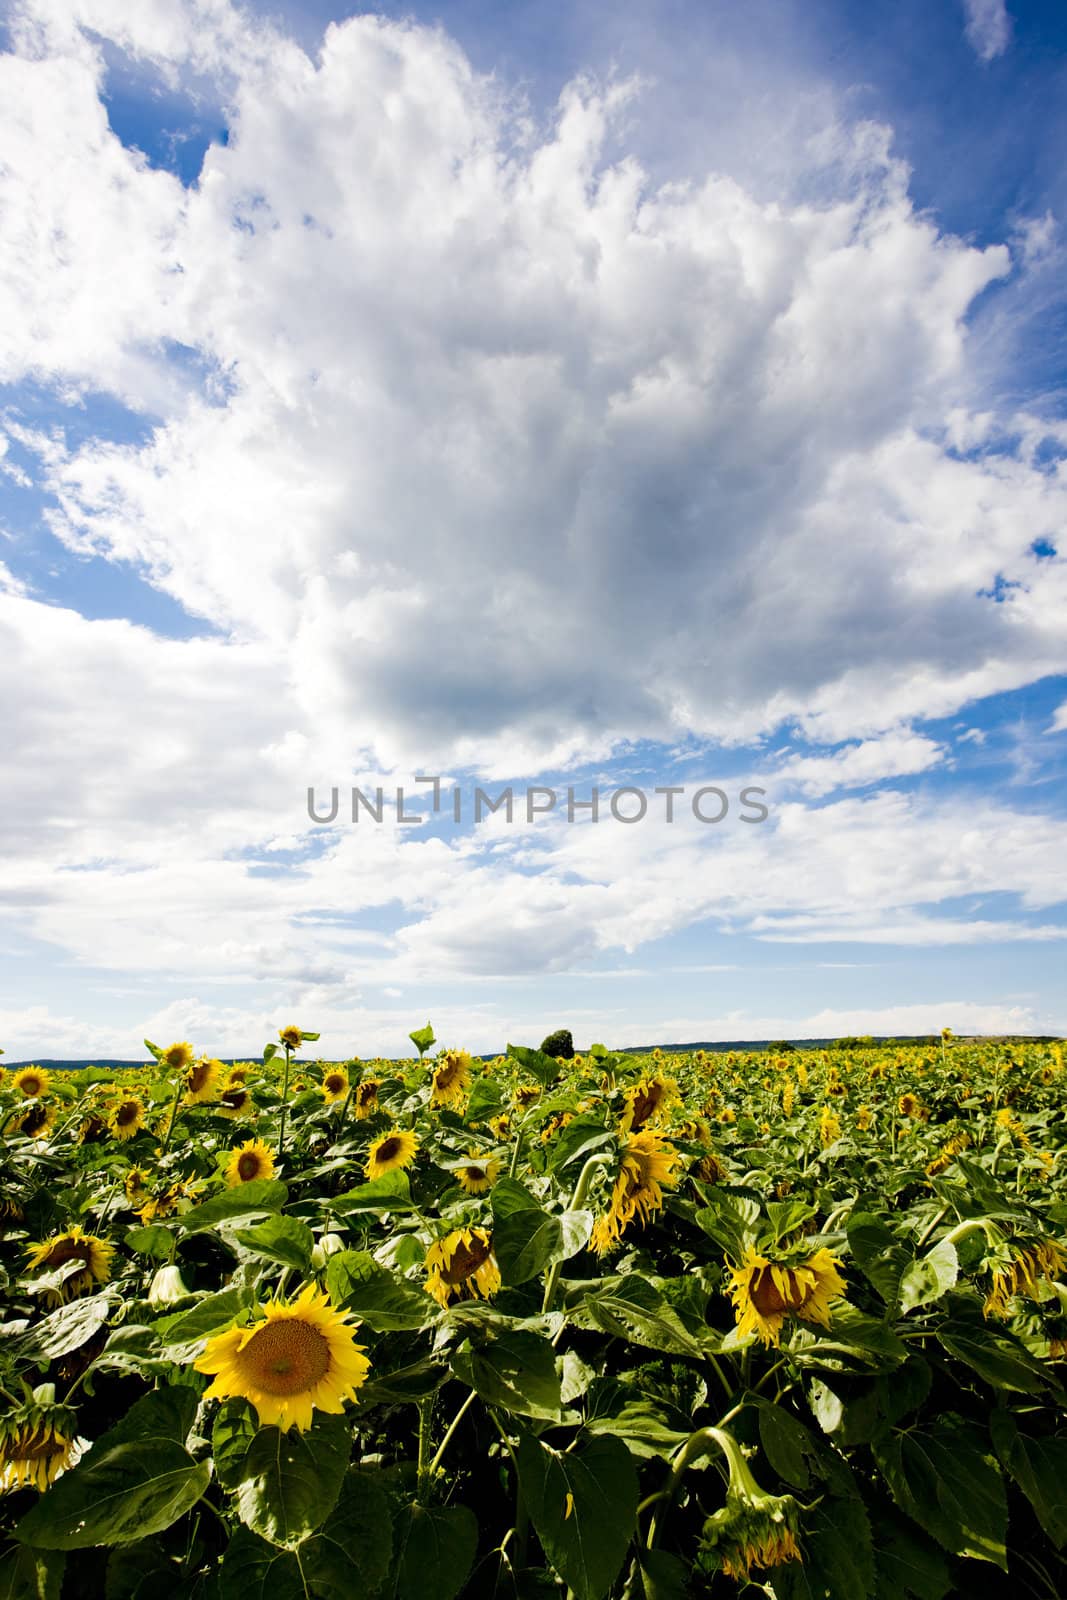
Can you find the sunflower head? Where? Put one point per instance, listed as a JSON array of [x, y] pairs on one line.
[[480, 1174], [1039, 1262], [908, 1105], [127, 1117], [462, 1266], [766, 1292], [648, 1162], [201, 1080], [33, 1082], [392, 1150], [37, 1121], [235, 1100], [37, 1441], [248, 1162], [178, 1057], [334, 1085], [829, 1126], [451, 1078], [293, 1360], [92, 1255], [135, 1186], [526, 1094], [291, 1037], [365, 1098], [646, 1102]]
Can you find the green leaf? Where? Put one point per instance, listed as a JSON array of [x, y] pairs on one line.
[[415, 1381], [291, 1480], [422, 1039], [153, 1049], [944, 1479], [925, 1280], [437, 1546], [390, 1192], [486, 1098], [663, 1576], [787, 1444], [236, 1425], [998, 1358], [838, 1555], [262, 1194], [878, 1253], [116, 1495], [730, 1220], [282, 1239], [907, 1563], [524, 1242], [137, 1571], [252, 1569], [1039, 1467], [583, 1504], [27, 1574], [579, 1139], [642, 1427], [156, 1241], [513, 1369], [161, 1414], [184, 1330], [546, 1069], [64, 1330], [510, 1195], [348, 1556], [634, 1310], [853, 1343], [359, 1283]]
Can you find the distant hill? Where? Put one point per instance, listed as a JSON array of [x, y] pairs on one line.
[[719, 1045]]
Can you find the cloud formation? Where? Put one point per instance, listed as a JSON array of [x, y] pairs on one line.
[[988, 27]]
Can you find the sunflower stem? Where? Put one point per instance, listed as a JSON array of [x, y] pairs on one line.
[[425, 1467], [173, 1119], [698, 1444], [285, 1100], [577, 1200], [452, 1426]]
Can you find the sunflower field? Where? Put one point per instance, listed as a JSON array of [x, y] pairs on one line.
[[632, 1326]]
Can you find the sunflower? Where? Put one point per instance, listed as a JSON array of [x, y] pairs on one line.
[[393, 1150], [864, 1118], [291, 1037], [238, 1073], [201, 1081], [94, 1130], [249, 1161], [334, 1085], [480, 1175], [1042, 1261], [462, 1266], [37, 1121], [37, 1442], [526, 1094], [235, 1100], [765, 1292], [646, 1101], [127, 1117], [908, 1106], [294, 1359], [365, 1098], [648, 1162], [500, 1126], [93, 1255], [788, 1097], [33, 1082], [451, 1078], [135, 1185], [178, 1057], [829, 1126]]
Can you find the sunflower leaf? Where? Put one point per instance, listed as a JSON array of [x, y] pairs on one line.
[[583, 1505], [116, 1495], [291, 1480]]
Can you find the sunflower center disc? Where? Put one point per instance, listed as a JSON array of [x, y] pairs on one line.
[[465, 1262], [248, 1167], [286, 1357], [767, 1297]]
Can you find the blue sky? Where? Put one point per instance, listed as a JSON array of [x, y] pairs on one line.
[[562, 394]]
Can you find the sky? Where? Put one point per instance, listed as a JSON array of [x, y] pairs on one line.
[[539, 398]]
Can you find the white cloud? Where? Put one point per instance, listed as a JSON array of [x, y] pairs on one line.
[[895, 755], [988, 27], [1059, 719]]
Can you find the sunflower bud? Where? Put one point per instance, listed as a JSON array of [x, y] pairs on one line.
[[166, 1288], [753, 1528]]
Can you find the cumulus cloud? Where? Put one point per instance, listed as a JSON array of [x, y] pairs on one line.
[[988, 27], [509, 452], [476, 447]]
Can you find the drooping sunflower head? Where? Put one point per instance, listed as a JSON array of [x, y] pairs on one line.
[[249, 1161], [365, 1099], [648, 1162], [295, 1359], [201, 1080], [178, 1057], [93, 1256], [37, 1442], [480, 1174], [646, 1102], [334, 1085], [462, 1266], [829, 1126], [291, 1037], [235, 1100], [766, 1292], [33, 1082], [750, 1532], [526, 1094], [135, 1186], [37, 1121], [908, 1105], [127, 1117], [1040, 1261], [394, 1149], [451, 1078]]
